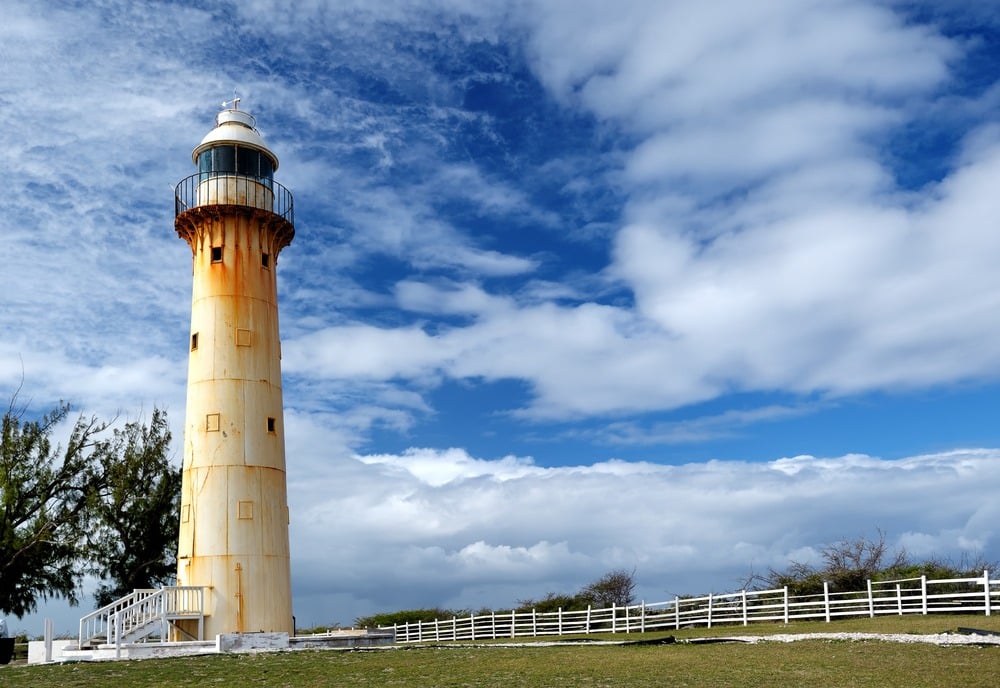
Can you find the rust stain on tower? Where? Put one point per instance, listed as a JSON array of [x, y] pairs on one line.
[[234, 504]]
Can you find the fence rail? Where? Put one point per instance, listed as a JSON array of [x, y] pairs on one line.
[[978, 595]]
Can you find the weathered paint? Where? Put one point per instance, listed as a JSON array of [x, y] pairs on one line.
[[234, 505]]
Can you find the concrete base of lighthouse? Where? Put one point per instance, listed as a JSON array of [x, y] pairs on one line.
[[68, 651]]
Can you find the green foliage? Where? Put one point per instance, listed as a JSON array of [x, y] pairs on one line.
[[848, 565], [103, 505], [613, 588], [43, 494], [553, 603], [406, 616], [133, 539]]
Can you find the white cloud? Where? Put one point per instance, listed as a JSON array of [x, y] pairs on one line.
[[439, 468], [439, 523]]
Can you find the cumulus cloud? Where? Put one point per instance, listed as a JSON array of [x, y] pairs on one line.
[[441, 523]]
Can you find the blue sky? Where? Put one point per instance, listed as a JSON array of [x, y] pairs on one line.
[[690, 288]]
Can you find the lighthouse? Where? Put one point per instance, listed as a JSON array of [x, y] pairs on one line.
[[234, 502]]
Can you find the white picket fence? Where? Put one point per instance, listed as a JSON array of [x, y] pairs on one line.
[[905, 596]]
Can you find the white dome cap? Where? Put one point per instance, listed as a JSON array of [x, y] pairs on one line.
[[236, 127]]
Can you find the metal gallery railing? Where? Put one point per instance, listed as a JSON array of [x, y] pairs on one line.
[[213, 188]]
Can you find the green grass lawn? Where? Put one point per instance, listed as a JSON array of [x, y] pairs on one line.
[[803, 663]]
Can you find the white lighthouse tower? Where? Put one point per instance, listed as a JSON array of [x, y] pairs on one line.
[[234, 503]]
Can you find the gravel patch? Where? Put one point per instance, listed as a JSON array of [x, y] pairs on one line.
[[933, 638]]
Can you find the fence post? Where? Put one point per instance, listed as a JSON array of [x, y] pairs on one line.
[[786, 604], [871, 600], [614, 618], [642, 619], [588, 619], [628, 622], [534, 622], [513, 623], [744, 598], [923, 593], [899, 598], [437, 631], [986, 591], [472, 622], [493, 625], [559, 620], [677, 612], [709, 610], [454, 628], [826, 599]]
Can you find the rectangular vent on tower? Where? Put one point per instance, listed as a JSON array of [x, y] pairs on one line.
[[212, 422], [194, 341], [244, 510], [272, 425], [265, 261], [242, 337], [216, 254], [185, 513]]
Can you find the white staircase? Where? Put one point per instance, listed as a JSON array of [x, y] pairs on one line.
[[142, 615]]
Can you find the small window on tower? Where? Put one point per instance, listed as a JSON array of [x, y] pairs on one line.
[[265, 260], [244, 510], [194, 341], [242, 337], [212, 422], [216, 254], [271, 425]]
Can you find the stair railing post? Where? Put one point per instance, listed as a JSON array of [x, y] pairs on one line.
[[118, 635]]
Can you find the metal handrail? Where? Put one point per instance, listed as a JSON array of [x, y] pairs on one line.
[[207, 188]]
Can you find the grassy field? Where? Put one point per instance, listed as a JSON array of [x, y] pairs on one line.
[[820, 663]]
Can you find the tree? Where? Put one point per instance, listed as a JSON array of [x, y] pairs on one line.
[[847, 565], [553, 602], [132, 541], [43, 496], [613, 588]]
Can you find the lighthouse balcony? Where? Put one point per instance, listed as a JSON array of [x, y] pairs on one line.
[[214, 188]]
